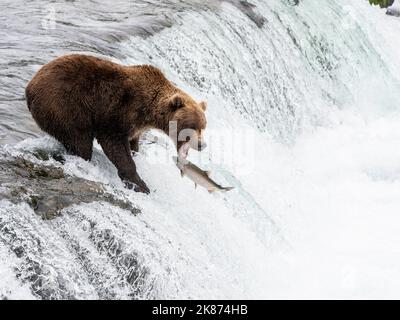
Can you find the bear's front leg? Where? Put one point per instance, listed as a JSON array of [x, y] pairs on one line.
[[117, 149]]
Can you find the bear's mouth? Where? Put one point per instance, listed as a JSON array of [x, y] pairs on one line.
[[184, 150]]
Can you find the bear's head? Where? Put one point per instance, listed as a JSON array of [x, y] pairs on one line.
[[187, 122]]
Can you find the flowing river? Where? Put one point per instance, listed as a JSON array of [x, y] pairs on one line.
[[303, 120]]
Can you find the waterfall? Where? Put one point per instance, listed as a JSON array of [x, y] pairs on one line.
[[303, 119]]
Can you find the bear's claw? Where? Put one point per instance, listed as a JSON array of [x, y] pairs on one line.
[[137, 187], [143, 189]]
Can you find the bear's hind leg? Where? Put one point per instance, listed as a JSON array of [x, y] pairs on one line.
[[117, 149], [78, 145]]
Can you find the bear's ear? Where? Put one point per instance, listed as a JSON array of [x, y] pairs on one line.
[[203, 105], [176, 102]]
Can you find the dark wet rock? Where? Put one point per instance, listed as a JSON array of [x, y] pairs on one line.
[[293, 2], [249, 9], [395, 12], [134, 273], [47, 189], [45, 155]]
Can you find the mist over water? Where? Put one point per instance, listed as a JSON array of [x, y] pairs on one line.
[[303, 118]]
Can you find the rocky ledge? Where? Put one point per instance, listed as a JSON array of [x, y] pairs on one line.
[[71, 250], [47, 189]]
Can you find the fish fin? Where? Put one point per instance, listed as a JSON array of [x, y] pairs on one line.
[[208, 173], [182, 174], [227, 189], [195, 185], [210, 191]]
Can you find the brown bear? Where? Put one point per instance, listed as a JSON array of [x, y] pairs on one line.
[[76, 98]]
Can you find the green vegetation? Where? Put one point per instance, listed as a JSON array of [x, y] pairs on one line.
[[382, 3]]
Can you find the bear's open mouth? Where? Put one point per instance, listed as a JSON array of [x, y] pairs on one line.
[[184, 150]]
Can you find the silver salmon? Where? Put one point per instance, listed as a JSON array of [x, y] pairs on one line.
[[198, 176]]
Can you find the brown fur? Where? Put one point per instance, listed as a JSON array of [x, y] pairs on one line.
[[77, 98]]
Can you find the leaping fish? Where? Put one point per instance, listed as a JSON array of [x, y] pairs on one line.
[[198, 176]]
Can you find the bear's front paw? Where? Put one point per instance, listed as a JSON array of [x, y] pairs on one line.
[[139, 186], [143, 189]]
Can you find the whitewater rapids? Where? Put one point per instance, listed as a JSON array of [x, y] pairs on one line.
[[307, 105]]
